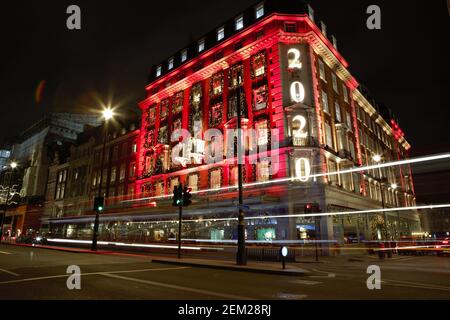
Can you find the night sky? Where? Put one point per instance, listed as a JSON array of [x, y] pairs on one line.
[[405, 65]]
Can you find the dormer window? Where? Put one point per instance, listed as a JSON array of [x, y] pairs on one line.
[[158, 71], [184, 55], [170, 64], [220, 33], [239, 23], [259, 10], [201, 45]]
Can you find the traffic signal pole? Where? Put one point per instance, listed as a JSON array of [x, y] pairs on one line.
[[241, 257], [97, 210], [179, 230]]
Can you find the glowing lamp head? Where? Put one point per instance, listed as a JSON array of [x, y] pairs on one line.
[[13, 164], [284, 251], [376, 158], [108, 114], [394, 186]]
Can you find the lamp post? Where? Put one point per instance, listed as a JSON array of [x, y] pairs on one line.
[[394, 187], [108, 114], [241, 257], [377, 159], [13, 165]]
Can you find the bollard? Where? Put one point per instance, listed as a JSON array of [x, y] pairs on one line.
[[283, 253]]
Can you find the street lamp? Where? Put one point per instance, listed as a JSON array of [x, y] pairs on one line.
[[108, 114], [13, 165]]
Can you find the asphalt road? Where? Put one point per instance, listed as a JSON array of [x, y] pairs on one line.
[[32, 273]]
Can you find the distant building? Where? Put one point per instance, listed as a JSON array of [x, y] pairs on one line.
[[73, 184], [34, 152], [5, 154]]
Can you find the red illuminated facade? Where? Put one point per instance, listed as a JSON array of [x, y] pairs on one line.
[[292, 78]]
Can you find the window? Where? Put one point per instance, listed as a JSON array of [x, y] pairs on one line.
[[334, 79], [163, 136], [216, 179], [258, 64], [332, 168], [234, 176], [262, 133], [337, 107], [201, 45], [158, 71], [239, 23], [120, 190], [61, 185], [193, 182], [105, 176], [132, 170], [259, 11], [215, 115], [122, 172], [349, 120], [329, 136], [352, 148], [184, 55], [263, 171], [113, 174], [174, 182], [344, 90], [159, 188], [290, 27], [325, 102], [260, 97], [310, 12], [177, 102], [115, 154], [322, 70], [94, 179], [134, 147], [220, 33], [216, 84], [170, 64]]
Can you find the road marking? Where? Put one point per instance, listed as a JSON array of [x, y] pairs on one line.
[[10, 272], [328, 274], [307, 282], [176, 287], [291, 296], [89, 274], [4, 252], [398, 283]]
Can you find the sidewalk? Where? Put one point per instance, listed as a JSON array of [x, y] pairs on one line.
[[66, 249], [259, 267]]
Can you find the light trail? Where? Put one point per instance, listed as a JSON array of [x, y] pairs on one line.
[[139, 245], [313, 176], [307, 215]]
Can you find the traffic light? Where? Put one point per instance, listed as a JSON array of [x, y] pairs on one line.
[[187, 196], [177, 196], [99, 204], [311, 208]]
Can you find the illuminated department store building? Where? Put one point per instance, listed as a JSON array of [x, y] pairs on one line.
[[291, 77]]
